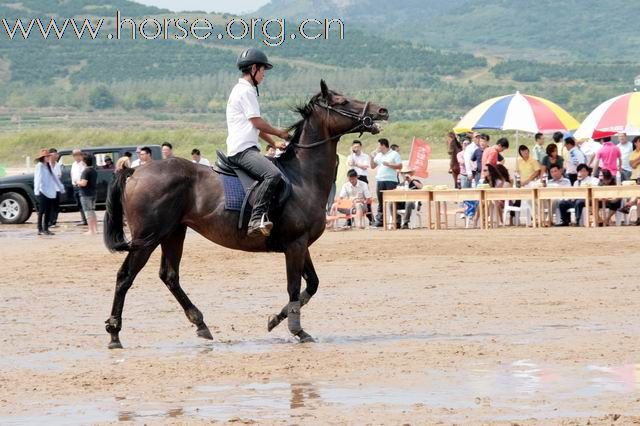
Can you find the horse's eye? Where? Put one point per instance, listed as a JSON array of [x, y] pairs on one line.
[[344, 102]]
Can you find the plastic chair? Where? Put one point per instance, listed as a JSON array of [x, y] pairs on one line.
[[344, 204]]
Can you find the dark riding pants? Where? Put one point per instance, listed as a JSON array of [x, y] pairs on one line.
[[45, 206], [261, 168]]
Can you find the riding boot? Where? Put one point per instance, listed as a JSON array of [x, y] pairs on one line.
[[260, 223]]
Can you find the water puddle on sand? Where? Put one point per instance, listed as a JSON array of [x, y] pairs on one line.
[[519, 390]]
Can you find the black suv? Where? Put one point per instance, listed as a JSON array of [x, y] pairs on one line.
[[17, 200]]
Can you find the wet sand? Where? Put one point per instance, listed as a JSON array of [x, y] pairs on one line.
[[421, 327]]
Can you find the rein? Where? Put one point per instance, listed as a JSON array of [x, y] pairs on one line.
[[364, 121]]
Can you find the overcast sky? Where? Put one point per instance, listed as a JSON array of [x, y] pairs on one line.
[[231, 6]]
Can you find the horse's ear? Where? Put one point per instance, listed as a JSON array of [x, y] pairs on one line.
[[324, 89]]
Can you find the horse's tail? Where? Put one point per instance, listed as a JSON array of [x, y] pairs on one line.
[[114, 237]]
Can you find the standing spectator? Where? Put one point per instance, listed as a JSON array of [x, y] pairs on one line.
[[144, 157], [413, 183], [552, 159], [634, 159], [465, 182], [538, 148], [137, 162], [490, 155], [57, 170], [76, 172], [590, 149], [388, 163], [529, 167], [476, 158], [575, 158], [608, 158], [395, 148], [558, 139], [626, 148], [167, 150], [46, 185], [469, 151], [122, 163], [359, 161], [197, 158], [88, 182]]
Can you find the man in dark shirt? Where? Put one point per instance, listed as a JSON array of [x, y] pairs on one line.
[[87, 184]]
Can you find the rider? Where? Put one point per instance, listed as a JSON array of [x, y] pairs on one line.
[[245, 125]]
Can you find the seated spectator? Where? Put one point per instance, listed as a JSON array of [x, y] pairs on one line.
[[583, 178], [552, 158], [613, 204], [271, 151], [413, 183], [356, 191], [528, 167], [108, 163]]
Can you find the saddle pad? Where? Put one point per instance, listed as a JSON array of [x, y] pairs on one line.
[[233, 192]]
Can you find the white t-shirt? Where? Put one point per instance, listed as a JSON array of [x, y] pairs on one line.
[[358, 192], [358, 159], [590, 148], [76, 171], [241, 106], [626, 151], [202, 161]]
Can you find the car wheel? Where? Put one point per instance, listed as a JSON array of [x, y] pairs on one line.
[[14, 208]]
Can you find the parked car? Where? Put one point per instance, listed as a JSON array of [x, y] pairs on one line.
[[17, 200]]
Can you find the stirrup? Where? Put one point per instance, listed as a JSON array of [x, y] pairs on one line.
[[265, 225]]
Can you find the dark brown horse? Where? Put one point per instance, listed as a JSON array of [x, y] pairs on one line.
[[162, 198], [453, 148]]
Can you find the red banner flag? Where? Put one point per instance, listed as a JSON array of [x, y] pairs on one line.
[[419, 159]]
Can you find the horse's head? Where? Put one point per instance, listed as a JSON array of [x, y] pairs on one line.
[[346, 115]]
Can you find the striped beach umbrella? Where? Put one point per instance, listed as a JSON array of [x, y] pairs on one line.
[[619, 114], [517, 112]]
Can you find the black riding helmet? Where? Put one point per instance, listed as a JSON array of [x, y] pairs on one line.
[[250, 57]]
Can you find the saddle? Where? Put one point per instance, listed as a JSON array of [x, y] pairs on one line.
[[239, 187]]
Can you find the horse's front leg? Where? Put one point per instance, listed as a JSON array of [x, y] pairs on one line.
[[310, 276], [295, 255]]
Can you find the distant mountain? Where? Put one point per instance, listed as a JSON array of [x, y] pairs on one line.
[[27, 9], [541, 29]]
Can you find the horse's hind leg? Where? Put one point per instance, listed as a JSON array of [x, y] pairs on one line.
[[131, 266], [169, 273], [311, 278]]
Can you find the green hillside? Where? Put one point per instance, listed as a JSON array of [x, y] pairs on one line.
[[173, 81], [525, 29]]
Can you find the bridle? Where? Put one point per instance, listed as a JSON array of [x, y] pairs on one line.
[[364, 122]]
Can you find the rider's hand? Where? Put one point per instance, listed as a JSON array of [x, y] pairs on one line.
[[280, 145], [283, 134]]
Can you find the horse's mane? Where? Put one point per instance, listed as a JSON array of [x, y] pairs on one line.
[[297, 127]]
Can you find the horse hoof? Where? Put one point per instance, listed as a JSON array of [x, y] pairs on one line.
[[273, 322], [304, 337], [205, 333], [115, 345]]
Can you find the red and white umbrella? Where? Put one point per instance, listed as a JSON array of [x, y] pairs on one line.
[[619, 114]]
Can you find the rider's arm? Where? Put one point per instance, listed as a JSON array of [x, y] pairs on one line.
[[265, 137], [264, 127]]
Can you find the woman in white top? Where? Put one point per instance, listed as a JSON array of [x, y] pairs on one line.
[[46, 185]]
